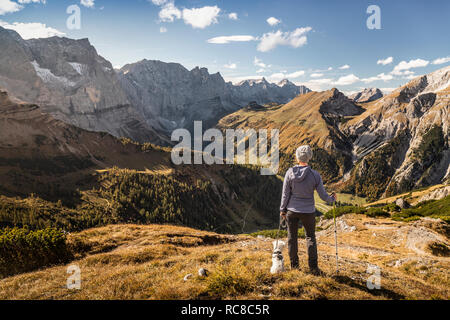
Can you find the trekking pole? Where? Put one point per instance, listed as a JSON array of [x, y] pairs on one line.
[[282, 219], [335, 236]]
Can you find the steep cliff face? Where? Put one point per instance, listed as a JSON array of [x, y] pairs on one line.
[[69, 80], [406, 131], [170, 96]]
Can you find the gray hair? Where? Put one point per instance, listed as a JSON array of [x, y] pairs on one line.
[[303, 153]]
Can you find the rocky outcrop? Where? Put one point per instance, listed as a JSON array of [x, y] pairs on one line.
[[436, 194], [367, 95], [409, 125], [69, 80], [169, 96]]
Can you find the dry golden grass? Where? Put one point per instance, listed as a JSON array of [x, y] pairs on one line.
[[150, 262]]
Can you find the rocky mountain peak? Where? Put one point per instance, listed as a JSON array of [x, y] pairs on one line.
[[285, 82], [436, 81], [338, 104], [367, 95]]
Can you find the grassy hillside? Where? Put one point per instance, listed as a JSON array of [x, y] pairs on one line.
[[150, 262]]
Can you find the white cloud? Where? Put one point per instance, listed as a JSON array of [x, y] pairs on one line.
[[169, 13], [296, 74], [233, 16], [32, 30], [230, 66], [441, 60], [88, 3], [403, 65], [159, 2], [259, 63], [327, 83], [347, 80], [163, 29], [283, 75], [273, 21], [411, 76], [260, 70], [322, 81], [330, 68], [344, 67], [385, 61], [317, 84], [295, 39], [228, 39], [277, 76], [201, 17], [379, 77], [31, 1], [7, 6], [316, 75], [387, 90], [236, 80]]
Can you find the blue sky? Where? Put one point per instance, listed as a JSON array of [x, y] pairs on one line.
[[319, 43]]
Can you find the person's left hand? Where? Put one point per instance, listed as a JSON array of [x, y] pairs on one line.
[[283, 214]]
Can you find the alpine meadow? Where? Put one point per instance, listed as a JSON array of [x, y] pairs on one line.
[[224, 150]]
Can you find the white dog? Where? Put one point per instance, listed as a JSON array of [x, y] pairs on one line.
[[277, 257]]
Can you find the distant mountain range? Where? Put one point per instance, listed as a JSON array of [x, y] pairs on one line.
[[390, 145], [170, 96], [143, 101], [368, 144]]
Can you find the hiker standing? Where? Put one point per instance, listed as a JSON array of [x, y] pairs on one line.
[[297, 203]]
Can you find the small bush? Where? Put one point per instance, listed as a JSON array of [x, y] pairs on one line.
[[431, 208], [392, 207], [23, 250], [439, 249], [339, 211], [377, 212], [227, 282]]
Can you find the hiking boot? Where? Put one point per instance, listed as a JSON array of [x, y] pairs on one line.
[[316, 272]]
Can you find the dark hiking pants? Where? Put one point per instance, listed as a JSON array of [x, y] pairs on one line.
[[309, 223]]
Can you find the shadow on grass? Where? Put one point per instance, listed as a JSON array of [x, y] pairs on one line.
[[375, 292]]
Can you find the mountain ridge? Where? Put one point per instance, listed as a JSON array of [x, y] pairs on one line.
[[71, 81], [383, 147]]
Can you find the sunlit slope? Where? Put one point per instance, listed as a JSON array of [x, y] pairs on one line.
[[311, 118]]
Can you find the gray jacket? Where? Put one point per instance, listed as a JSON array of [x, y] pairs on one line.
[[298, 190]]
